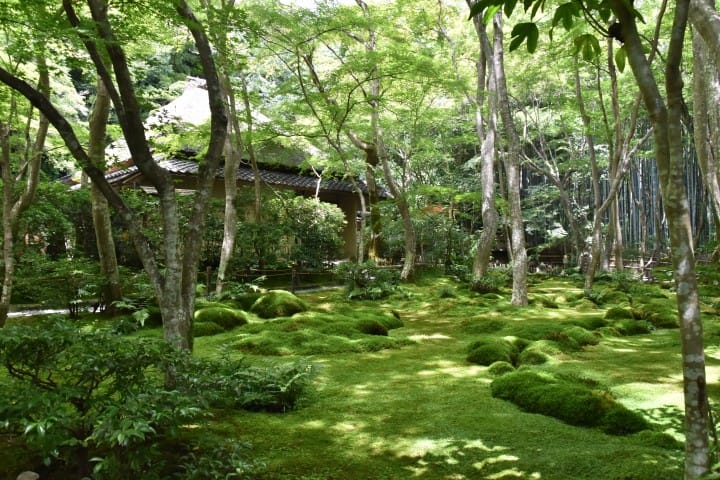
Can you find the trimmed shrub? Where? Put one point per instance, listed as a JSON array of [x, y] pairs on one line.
[[225, 317], [617, 313], [278, 303], [490, 350], [500, 368], [206, 329], [371, 327]]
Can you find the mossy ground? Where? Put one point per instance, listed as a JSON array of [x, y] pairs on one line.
[[420, 410]]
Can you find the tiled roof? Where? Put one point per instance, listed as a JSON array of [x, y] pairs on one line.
[[245, 175]]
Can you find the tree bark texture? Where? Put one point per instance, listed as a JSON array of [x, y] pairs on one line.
[[511, 161], [13, 206], [666, 119], [111, 291]]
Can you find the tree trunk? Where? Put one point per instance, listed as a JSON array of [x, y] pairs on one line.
[[669, 156], [486, 138], [111, 291], [511, 161], [13, 207]]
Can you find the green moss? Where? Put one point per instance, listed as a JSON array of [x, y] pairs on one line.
[[543, 301], [538, 352], [588, 323], [616, 313], [632, 327], [570, 401], [371, 327], [206, 329], [278, 303], [500, 368], [246, 300], [534, 330], [225, 317], [658, 439], [618, 420], [488, 350], [481, 325], [205, 303], [581, 336]]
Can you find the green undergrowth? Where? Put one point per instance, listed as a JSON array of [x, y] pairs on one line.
[[394, 396]]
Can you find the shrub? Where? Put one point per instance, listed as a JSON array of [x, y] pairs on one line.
[[371, 327], [206, 329], [492, 282], [225, 317], [76, 394], [367, 280], [278, 303], [231, 383], [500, 368], [489, 350]]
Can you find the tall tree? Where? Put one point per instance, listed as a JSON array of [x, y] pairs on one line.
[[174, 276], [19, 174]]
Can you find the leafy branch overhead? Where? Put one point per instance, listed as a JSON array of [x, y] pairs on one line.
[[597, 13]]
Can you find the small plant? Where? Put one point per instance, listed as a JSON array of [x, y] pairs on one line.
[[367, 280], [492, 282]]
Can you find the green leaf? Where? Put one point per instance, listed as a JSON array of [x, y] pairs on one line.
[[479, 7], [566, 14], [588, 46], [522, 32], [490, 13], [620, 57], [509, 7]]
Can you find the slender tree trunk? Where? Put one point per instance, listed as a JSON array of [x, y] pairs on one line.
[[486, 138], [666, 119], [511, 161], [14, 206], [111, 291]]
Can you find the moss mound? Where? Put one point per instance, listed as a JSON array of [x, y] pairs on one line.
[[227, 318], [632, 327], [500, 368], [662, 313], [538, 353], [572, 402], [616, 313], [246, 300], [543, 301], [371, 327], [488, 350], [206, 329], [581, 336], [588, 323], [278, 303]]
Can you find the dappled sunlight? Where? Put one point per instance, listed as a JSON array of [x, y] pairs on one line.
[[645, 396], [432, 336], [454, 369]]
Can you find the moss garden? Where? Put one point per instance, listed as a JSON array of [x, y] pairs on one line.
[[436, 381]]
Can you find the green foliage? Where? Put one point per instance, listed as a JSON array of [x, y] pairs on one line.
[[225, 317], [74, 393], [570, 401], [632, 327], [278, 303], [367, 280], [492, 282], [538, 353], [228, 383]]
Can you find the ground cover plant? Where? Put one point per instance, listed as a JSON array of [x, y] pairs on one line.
[[416, 407]]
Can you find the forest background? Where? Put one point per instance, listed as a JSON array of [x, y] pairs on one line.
[[478, 150]]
